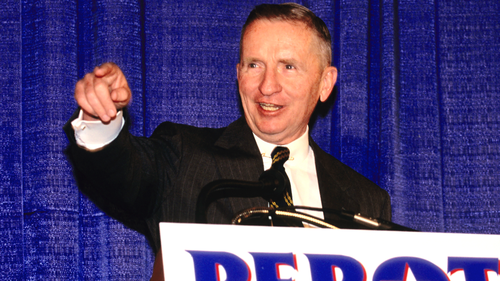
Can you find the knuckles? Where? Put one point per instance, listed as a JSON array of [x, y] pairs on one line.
[[93, 87]]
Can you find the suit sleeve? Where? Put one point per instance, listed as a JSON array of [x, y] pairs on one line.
[[126, 178]]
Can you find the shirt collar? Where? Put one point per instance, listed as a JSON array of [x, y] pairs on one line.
[[299, 148]]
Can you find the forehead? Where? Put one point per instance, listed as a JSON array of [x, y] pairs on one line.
[[278, 23], [264, 33]]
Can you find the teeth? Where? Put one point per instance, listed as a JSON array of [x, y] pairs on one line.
[[269, 106]]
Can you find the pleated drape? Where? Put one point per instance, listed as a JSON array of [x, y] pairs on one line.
[[416, 110]]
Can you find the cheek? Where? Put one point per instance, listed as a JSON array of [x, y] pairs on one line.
[[306, 101], [246, 88], [245, 96], [303, 95], [242, 83]]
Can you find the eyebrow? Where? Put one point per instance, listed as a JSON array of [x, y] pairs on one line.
[[288, 61], [249, 59]]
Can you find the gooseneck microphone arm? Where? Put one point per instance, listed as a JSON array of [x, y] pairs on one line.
[[270, 184]]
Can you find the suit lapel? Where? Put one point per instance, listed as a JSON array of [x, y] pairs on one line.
[[334, 193], [239, 156]]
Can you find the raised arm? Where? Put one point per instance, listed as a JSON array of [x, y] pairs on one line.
[[119, 173]]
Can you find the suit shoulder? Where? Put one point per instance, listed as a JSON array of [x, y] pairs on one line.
[[187, 132]]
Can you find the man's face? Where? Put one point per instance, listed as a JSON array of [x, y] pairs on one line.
[[281, 78]]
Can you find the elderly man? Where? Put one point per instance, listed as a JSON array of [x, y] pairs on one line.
[[284, 70]]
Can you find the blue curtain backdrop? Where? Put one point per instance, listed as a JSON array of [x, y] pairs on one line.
[[417, 111]]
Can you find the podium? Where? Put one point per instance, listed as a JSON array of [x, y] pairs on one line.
[[258, 253]]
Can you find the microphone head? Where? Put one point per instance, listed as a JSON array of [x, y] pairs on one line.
[[275, 183]]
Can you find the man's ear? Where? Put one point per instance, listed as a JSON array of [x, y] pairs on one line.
[[327, 82]]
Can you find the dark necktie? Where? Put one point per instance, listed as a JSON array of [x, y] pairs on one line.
[[280, 155]]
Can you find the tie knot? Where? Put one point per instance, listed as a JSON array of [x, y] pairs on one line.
[[280, 155]]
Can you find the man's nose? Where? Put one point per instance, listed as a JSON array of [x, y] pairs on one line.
[[270, 84]]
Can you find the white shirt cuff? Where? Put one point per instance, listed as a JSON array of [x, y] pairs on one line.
[[94, 135]]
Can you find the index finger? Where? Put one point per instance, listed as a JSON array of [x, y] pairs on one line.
[[105, 69]]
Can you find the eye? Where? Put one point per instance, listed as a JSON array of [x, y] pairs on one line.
[[252, 65], [289, 67]]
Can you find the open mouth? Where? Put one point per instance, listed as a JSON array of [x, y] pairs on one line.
[[269, 106]]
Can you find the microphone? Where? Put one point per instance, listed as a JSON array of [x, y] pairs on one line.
[[372, 223], [275, 182], [271, 184]]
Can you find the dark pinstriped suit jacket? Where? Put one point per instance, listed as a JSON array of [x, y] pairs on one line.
[[143, 181]]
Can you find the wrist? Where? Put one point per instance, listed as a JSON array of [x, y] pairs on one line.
[[90, 117]]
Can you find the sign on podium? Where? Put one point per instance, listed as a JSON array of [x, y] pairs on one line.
[[258, 253]]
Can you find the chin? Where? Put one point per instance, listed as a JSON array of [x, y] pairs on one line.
[[272, 136], [270, 130]]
